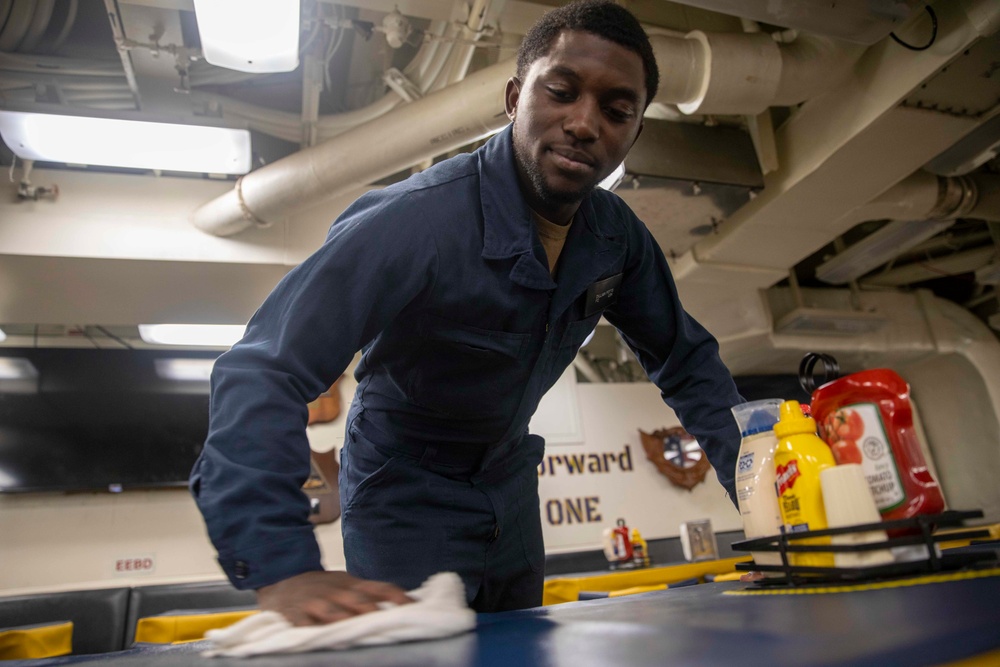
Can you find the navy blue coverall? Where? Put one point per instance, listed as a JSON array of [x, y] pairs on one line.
[[442, 281]]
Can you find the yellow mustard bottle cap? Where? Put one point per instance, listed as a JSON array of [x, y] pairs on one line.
[[792, 421]]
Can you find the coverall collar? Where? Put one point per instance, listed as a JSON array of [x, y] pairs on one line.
[[508, 229]]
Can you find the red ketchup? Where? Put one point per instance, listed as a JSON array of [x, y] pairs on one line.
[[867, 418], [623, 541]]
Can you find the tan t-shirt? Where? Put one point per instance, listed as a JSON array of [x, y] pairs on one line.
[[553, 238]]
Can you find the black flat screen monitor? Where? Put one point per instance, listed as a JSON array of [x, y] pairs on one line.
[[77, 419]]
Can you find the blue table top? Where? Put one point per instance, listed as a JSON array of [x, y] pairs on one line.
[[704, 625]]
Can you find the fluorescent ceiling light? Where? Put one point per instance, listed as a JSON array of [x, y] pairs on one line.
[[249, 35], [875, 250], [3, 336], [184, 370], [114, 142], [209, 335]]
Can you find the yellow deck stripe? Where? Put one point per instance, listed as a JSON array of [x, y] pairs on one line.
[[850, 588], [991, 659]]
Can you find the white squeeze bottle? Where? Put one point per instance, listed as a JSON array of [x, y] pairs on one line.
[[755, 492]]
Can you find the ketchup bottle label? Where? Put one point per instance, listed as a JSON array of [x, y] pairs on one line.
[[856, 434]]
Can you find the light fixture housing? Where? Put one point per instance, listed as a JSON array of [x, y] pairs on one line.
[[828, 322], [126, 142], [193, 335], [249, 35], [875, 250]]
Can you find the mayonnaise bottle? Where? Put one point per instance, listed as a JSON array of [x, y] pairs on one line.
[[799, 457], [755, 474]]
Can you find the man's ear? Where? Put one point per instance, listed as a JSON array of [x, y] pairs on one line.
[[511, 95]]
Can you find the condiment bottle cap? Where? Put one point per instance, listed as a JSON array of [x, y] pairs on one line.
[[792, 421]]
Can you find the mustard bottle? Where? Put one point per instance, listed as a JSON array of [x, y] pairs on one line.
[[640, 553], [799, 457]]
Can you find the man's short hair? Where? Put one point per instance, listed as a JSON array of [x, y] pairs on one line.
[[601, 17]]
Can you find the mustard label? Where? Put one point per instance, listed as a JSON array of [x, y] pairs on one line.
[[791, 502], [800, 501]]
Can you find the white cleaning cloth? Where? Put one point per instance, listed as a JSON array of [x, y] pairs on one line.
[[439, 610]]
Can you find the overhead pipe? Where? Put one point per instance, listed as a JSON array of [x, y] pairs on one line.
[[118, 32], [694, 75], [933, 201], [745, 73], [67, 27], [54, 65], [938, 267], [39, 23], [13, 30], [470, 31], [425, 67], [449, 119]]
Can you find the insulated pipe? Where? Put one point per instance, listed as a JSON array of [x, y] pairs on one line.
[[935, 201], [811, 65], [39, 22], [16, 27], [718, 73], [987, 205], [462, 54], [118, 32], [67, 27], [288, 125], [744, 74], [385, 146], [950, 265], [52, 65], [924, 196]]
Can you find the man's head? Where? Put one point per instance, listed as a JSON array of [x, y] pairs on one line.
[[601, 17], [585, 76]]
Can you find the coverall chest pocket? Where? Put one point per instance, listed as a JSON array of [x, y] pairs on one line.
[[465, 371]]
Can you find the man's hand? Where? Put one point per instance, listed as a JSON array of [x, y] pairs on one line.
[[317, 598]]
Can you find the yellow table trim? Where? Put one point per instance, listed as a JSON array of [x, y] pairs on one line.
[[991, 659], [567, 589], [874, 586]]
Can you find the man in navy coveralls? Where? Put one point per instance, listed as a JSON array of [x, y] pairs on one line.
[[469, 288]]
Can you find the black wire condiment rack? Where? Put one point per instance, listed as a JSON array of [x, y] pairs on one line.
[[915, 531]]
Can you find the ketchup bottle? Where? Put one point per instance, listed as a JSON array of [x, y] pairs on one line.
[[623, 541], [867, 418]]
